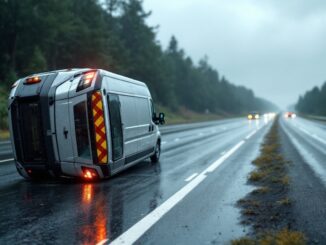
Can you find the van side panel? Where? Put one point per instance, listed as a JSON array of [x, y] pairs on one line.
[[130, 124], [144, 120], [135, 113]]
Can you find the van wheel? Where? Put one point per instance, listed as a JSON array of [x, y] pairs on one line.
[[156, 157]]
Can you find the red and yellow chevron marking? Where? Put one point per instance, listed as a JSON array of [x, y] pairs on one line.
[[99, 126]]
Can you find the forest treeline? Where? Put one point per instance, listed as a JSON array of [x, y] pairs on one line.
[[47, 35], [313, 102]]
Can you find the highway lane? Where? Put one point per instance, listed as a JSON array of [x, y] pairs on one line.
[[70, 212]]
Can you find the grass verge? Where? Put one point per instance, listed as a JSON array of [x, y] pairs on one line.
[[184, 115], [268, 207], [4, 134]]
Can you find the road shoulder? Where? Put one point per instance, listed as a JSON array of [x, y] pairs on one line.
[[307, 192]]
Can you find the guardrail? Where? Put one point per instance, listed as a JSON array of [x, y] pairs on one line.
[[319, 118], [170, 129]]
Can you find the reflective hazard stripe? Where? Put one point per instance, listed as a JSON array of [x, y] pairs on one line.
[[99, 128]]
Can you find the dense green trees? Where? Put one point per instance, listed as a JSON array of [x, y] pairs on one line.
[[112, 34], [313, 102]]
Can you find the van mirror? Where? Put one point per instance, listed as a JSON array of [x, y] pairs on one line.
[[161, 118]]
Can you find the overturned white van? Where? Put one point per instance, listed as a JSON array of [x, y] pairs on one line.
[[87, 123]]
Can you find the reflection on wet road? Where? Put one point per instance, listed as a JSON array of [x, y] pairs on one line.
[[70, 212]]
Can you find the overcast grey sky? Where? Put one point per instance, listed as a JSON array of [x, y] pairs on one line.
[[275, 47]]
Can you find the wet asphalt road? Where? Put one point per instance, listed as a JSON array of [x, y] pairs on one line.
[[188, 198]]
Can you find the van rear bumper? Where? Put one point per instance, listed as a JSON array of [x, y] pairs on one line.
[[32, 170], [76, 169], [67, 169]]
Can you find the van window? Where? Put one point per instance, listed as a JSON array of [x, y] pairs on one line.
[[81, 127], [128, 110], [116, 126], [143, 111], [153, 113]]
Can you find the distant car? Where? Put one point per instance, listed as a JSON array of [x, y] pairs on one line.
[[253, 116], [290, 115]]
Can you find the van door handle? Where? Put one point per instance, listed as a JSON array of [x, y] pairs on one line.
[[65, 132]]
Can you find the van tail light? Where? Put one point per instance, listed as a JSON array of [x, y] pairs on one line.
[[99, 128], [32, 80], [86, 80], [89, 173]]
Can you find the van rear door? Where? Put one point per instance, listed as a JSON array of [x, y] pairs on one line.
[[62, 122], [80, 133]]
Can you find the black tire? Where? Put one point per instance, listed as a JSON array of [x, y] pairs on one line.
[[156, 157]]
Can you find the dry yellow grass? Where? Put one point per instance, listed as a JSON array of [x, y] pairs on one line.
[[261, 190], [285, 201], [243, 241], [283, 237], [285, 180], [257, 175], [263, 160], [4, 134]]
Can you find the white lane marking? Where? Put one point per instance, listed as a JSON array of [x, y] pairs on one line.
[[251, 134], [222, 153], [318, 138], [312, 135], [6, 160], [176, 139], [191, 177], [137, 230], [303, 130], [164, 142], [102, 242], [218, 162]]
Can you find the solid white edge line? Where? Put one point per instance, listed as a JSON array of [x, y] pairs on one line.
[[6, 160], [219, 161], [191, 177], [251, 134], [318, 138], [137, 230], [102, 242], [312, 135]]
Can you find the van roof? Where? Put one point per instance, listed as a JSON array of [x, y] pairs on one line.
[[103, 72], [123, 78]]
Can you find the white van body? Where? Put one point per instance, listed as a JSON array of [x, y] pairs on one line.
[[81, 122]]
